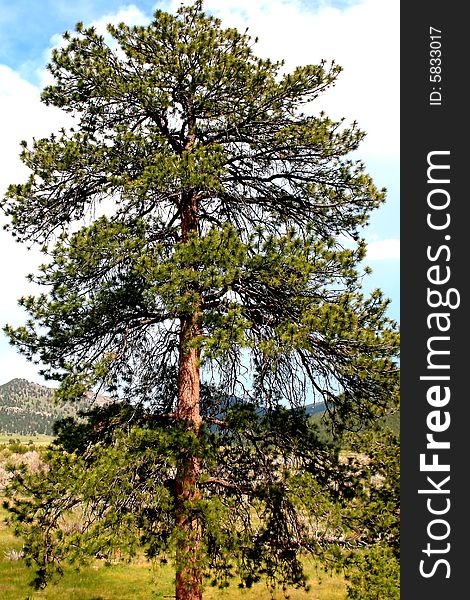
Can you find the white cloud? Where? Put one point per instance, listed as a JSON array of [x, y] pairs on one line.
[[363, 38], [383, 250], [131, 15], [22, 117]]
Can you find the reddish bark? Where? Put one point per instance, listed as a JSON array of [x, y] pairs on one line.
[[189, 573], [189, 576]]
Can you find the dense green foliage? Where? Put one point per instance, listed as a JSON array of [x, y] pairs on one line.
[[195, 222]]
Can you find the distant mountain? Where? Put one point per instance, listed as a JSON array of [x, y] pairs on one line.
[[28, 408], [313, 409]]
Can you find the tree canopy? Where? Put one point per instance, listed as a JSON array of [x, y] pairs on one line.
[[203, 244]]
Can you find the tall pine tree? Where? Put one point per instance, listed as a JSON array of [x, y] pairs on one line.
[[195, 222]]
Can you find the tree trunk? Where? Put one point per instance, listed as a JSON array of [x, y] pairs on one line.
[[188, 576], [189, 572]]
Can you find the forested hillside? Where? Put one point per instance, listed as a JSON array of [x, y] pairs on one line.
[[28, 408]]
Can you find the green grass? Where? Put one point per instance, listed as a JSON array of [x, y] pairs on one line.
[[37, 439], [134, 581]]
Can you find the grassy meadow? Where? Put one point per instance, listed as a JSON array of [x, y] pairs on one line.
[[135, 581], [139, 580], [36, 439]]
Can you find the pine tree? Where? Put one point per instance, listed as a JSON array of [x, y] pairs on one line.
[[195, 222]]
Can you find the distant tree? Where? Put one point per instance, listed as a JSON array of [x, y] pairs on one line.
[[373, 570], [197, 224]]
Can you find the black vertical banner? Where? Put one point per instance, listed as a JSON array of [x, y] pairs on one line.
[[435, 330]]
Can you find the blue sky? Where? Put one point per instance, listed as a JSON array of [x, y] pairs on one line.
[[361, 35]]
